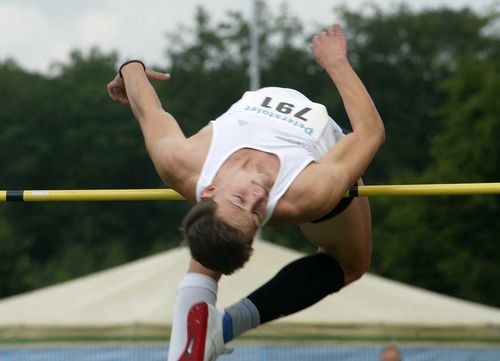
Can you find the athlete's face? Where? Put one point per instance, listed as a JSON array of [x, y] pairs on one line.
[[242, 201]]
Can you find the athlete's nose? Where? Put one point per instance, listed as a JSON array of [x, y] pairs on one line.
[[257, 191], [251, 198]]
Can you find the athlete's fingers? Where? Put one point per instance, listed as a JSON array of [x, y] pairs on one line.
[[334, 29], [155, 75]]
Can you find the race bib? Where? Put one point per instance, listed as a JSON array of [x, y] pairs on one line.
[[308, 117]]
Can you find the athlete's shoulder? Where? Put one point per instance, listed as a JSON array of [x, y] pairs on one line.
[[313, 193], [181, 167]]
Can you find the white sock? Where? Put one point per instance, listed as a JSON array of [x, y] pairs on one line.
[[239, 318], [194, 288]]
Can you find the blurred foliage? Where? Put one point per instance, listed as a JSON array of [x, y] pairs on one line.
[[434, 75]]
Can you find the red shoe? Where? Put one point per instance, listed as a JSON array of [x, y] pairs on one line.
[[204, 334]]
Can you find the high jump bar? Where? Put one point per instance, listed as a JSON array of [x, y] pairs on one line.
[[77, 195]]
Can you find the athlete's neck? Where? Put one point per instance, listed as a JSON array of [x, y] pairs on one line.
[[250, 161]]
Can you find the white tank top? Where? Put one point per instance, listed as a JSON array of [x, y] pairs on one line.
[[280, 121]]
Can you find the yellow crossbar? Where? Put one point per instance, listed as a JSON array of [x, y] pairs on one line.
[[78, 195], [452, 189]]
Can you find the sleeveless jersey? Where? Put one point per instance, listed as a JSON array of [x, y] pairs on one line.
[[280, 121]]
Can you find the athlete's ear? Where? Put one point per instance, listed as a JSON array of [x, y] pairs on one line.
[[208, 192]]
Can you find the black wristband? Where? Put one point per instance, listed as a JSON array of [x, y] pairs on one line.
[[128, 62]]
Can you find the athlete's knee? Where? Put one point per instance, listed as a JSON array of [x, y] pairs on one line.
[[354, 257], [352, 275], [355, 270]]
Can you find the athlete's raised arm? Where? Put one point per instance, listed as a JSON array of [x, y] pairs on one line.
[[348, 160], [162, 134]]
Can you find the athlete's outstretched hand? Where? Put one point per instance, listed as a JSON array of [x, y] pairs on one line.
[[329, 47], [116, 87]]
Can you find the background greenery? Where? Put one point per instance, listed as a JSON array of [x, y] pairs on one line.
[[434, 75]]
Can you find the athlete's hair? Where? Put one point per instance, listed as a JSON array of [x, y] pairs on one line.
[[213, 242]]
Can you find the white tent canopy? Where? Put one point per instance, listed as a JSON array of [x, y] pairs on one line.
[[137, 299]]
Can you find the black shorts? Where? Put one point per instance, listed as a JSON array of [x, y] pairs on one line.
[[339, 208]]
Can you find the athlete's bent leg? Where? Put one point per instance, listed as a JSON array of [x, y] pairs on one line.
[[347, 237]]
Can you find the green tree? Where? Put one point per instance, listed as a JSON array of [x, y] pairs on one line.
[[403, 56], [63, 132], [450, 244]]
